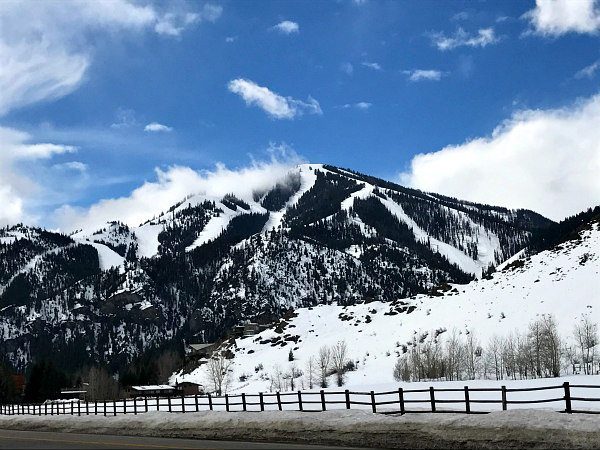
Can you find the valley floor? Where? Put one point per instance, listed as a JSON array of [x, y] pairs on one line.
[[509, 429]]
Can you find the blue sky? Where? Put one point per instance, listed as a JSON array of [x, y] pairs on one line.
[[367, 85]]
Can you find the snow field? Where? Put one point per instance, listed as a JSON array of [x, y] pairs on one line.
[[552, 282], [484, 396]]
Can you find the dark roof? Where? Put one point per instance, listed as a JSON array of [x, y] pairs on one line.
[[201, 346]]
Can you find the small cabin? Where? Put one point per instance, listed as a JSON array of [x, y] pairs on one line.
[[201, 350], [188, 388], [151, 390], [73, 394], [247, 329]]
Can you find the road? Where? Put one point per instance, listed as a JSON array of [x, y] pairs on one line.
[[10, 439]]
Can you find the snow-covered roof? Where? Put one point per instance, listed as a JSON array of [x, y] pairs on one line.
[[201, 346], [153, 387]]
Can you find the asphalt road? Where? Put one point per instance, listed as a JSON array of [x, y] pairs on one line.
[[10, 439]]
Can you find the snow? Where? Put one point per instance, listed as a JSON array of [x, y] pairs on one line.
[[352, 428], [454, 255], [308, 177], [147, 238], [108, 257], [215, 226], [363, 193], [153, 387], [564, 282]]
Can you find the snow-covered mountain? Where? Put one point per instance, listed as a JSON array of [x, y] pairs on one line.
[[319, 235], [563, 281]]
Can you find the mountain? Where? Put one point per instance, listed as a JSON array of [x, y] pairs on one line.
[[319, 235], [562, 281]]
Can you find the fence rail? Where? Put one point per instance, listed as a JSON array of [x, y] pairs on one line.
[[402, 401]]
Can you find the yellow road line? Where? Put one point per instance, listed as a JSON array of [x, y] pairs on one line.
[[109, 444]]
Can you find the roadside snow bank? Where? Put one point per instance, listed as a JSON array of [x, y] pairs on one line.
[[509, 429]]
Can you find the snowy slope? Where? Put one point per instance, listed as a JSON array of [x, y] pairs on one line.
[[308, 178], [108, 258], [564, 282]]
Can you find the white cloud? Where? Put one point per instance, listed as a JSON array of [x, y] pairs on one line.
[[462, 15], [372, 65], [347, 68], [287, 27], [359, 105], [174, 184], [173, 24], [45, 50], [461, 38], [275, 105], [17, 187], [124, 118], [230, 39], [558, 17], [544, 160], [77, 166], [422, 74], [588, 71], [157, 127]]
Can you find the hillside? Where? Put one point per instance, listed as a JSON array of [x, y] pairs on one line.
[[320, 235], [563, 281]]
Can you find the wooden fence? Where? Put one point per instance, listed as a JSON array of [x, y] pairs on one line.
[[475, 400]]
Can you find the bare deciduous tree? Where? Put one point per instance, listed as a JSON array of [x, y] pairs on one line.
[[339, 360], [323, 361], [586, 335], [218, 370], [311, 367]]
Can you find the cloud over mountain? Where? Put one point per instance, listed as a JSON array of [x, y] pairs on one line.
[[545, 160]]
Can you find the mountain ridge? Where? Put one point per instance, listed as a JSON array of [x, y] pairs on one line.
[[317, 235]]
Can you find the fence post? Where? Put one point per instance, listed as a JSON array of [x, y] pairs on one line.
[[323, 400], [145, 403], [104, 408], [567, 388], [373, 404], [182, 403], [169, 401], [115, 407], [87, 408], [158, 403], [196, 402], [243, 401], [262, 401], [279, 400], [79, 408], [504, 403], [125, 406], [227, 402], [347, 392], [300, 407], [210, 405], [96, 407], [135, 406], [401, 399], [432, 397], [467, 402]]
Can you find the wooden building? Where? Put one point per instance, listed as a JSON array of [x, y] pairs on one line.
[[201, 350], [151, 390]]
